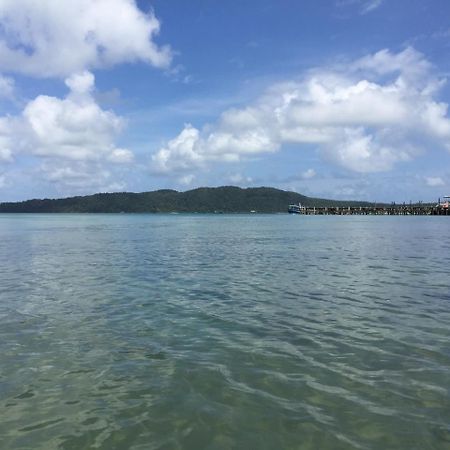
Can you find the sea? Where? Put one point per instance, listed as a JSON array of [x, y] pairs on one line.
[[197, 331]]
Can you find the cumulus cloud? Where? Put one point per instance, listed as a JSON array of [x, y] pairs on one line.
[[411, 68], [57, 38], [365, 116], [180, 152], [359, 151], [80, 83], [74, 127], [72, 136]]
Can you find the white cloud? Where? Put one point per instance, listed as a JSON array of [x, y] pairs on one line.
[[434, 181], [360, 151], [365, 116], [57, 38], [179, 154], [412, 69], [80, 83], [121, 156], [365, 6], [79, 176], [74, 127], [72, 136], [370, 6], [5, 155]]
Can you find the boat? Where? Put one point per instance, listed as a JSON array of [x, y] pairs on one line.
[[296, 209], [445, 204]]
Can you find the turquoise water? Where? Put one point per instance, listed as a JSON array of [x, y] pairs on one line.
[[224, 331]]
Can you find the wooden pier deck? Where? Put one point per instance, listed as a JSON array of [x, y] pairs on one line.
[[390, 210]]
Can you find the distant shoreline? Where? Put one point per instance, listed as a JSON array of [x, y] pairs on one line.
[[225, 199], [219, 200]]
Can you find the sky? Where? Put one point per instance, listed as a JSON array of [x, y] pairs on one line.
[[341, 99]]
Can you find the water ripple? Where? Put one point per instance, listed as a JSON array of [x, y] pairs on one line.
[[192, 332]]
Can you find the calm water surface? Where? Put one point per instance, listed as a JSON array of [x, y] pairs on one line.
[[224, 331]]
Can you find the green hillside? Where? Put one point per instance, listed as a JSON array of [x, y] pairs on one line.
[[227, 199]]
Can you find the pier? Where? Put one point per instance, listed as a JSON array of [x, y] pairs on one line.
[[441, 208], [385, 210]]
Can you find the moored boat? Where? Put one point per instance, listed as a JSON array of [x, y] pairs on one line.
[[445, 204], [296, 209]]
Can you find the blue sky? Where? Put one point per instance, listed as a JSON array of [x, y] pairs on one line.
[[342, 99]]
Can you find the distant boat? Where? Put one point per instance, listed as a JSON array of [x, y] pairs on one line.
[[445, 203], [296, 209]]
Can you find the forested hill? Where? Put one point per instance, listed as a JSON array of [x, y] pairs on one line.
[[227, 199]]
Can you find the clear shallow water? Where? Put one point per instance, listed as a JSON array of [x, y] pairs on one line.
[[224, 331]]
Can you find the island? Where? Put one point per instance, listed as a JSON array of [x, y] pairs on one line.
[[224, 199]]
